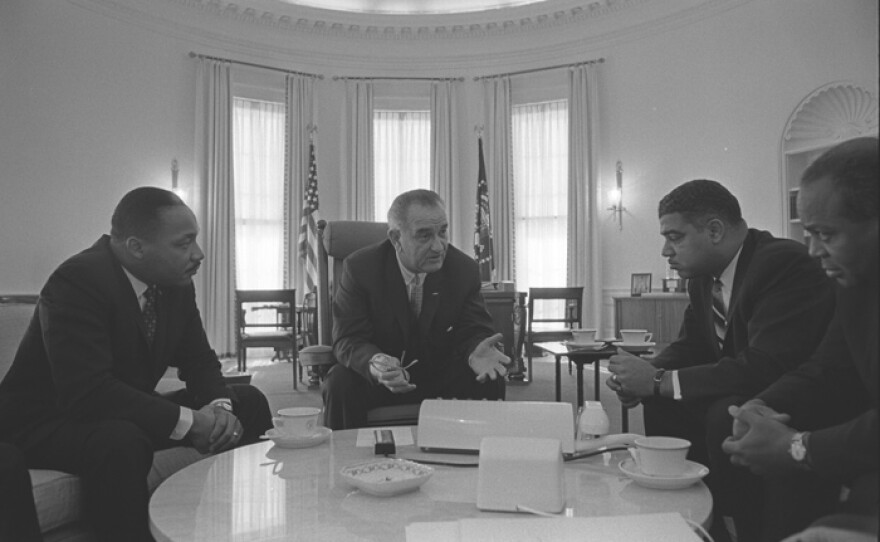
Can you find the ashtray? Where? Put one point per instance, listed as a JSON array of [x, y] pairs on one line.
[[387, 477]]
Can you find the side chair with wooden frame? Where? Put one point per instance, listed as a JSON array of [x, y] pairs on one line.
[[556, 326], [278, 332]]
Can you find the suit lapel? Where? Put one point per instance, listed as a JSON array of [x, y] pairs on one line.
[[742, 269]]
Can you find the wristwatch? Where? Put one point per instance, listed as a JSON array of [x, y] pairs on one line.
[[225, 405], [658, 379], [798, 450]]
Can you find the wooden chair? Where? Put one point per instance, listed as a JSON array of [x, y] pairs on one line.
[[338, 239], [278, 332], [557, 325]]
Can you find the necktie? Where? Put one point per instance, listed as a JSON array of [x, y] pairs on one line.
[[149, 312], [719, 313], [415, 295]]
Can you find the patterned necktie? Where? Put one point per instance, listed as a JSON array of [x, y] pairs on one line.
[[415, 295], [149, 311], [719, 313]]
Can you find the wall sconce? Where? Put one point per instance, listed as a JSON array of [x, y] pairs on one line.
[[181, 193], [615, 196]]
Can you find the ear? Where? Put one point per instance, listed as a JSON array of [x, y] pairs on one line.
[[394, 237], [134, 247], [716, 229]]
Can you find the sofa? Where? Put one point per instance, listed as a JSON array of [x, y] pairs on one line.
[[57, 494]]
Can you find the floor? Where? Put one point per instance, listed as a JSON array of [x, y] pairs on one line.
[[275, 379]]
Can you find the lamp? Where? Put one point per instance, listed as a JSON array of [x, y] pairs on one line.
[[181, 193], [615, 196]]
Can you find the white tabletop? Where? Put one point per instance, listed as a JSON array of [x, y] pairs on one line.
[[262, 492]]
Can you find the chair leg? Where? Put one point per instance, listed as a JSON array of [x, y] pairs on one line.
[[529, 355]]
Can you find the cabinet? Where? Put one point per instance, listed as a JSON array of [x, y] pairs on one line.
[[661, 315], [507, 309]]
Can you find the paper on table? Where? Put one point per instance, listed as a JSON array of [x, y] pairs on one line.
[[367, 438], [655, 527]]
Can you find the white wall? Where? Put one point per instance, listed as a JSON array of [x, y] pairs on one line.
[[93, 104]]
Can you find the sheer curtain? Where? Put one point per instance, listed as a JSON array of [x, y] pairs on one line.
[[401, 156], [540, 166], [214, 201], [258, 152]]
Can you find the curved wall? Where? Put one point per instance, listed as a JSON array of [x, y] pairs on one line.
[[96, 97]]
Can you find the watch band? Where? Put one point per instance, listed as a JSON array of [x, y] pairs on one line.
[[658, 379]]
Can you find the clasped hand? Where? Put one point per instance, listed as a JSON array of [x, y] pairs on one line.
[[487, 361], [760, 438], [214, 429], [388, 372], [632, 377]]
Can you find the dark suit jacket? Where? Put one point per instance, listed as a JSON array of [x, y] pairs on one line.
[[371, 314], [836, 393], [780, 306], [85, 356]]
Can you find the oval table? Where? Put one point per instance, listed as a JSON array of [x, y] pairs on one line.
[[263, 492]]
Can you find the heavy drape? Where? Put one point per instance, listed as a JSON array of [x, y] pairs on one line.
[[444, 141], [357, 152], [215, 202], [299, 101], [584, 267], [499, 173]]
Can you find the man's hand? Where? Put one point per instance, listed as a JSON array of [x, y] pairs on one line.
[[486, 361], [755, 405], [631, 376], [388, 372], [763, 447], [214, 430]]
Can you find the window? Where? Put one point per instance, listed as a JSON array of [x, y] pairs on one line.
[[258, 163], [540, 172], [401, 155]]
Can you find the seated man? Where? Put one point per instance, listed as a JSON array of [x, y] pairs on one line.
[[758, 307], [822, 417], [110, 320], [409, 322]]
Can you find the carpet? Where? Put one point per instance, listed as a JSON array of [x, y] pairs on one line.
[[275, 379]]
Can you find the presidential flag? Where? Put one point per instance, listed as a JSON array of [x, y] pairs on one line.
[[308, 231], [483, 251]]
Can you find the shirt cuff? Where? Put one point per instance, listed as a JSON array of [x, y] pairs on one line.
[[184, 423], [676, 387], [223, 402]]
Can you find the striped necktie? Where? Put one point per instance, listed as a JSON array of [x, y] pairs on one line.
[[719, 313], [415, 295], [149, 312]]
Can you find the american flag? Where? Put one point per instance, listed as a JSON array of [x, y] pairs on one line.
[[308, 230], [483, 251]]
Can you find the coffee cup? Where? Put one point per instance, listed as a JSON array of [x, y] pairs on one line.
[[661, 456], [583, 335], [635, 336], [297, 421]]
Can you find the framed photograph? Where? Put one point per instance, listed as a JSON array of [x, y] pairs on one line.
[[641, 284]]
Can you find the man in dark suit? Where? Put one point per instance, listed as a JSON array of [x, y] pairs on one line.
[[80, 396], [18, 515], [411, 298], [758, 307], [822, 417]]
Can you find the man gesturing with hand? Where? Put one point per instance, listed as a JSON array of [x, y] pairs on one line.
[[409, 322]]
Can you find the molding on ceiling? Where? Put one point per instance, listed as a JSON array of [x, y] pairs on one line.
[[494, 41]]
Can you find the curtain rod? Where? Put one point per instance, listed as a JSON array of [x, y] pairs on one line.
[[251, 64], [521, 72], [344, 78]]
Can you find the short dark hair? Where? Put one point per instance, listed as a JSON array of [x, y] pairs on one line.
[[852, 168], [397, 213], [701, 200], [137, 213]]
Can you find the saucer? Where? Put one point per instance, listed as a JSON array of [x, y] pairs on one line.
[[692, 474], [634, 347], [387, 477], [592, 344], [283, 441]]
